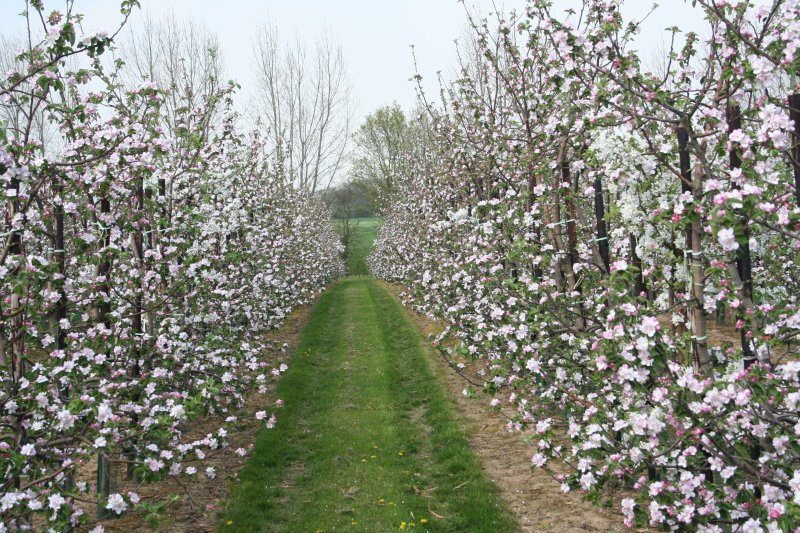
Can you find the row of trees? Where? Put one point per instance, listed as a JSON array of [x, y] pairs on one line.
[[147, 245], [579, 219], [302, 97], [385, 147]]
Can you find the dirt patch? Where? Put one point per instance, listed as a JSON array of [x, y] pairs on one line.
[[533, 496], [199, 500], [294, 471], [726, 335]]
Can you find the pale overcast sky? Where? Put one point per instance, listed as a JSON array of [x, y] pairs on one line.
[[375, 34]]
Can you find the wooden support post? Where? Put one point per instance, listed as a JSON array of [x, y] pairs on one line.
[[600, 223], [686, 179], [106, 474], [794, 114], [743, 260]]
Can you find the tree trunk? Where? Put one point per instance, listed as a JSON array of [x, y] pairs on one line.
[[699, 327], [743, 261], [600, 223], [794, 114]]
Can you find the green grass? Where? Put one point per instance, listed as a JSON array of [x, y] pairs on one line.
[[365, 237], [367, 439]]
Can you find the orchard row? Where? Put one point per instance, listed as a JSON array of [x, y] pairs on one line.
[[140, 267], [581, 223]]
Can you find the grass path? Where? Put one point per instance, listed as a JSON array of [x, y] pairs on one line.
[[368, 440], [366, 232]]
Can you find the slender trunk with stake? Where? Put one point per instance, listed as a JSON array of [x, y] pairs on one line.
[[600, 224], [15, 332], [572, 237], [693, 182], [699, 327], [794, 114], [743, 261], [537, 267], [138, 302], [686, 180], [639, 286], [106, 474]]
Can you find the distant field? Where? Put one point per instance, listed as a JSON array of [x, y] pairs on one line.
[[365, 237]]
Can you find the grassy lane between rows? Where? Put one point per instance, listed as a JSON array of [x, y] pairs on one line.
[[368, 440], [366, 233]]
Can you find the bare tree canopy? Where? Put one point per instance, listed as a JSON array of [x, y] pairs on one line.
[[182, 56], [304, 100], [21, 112]]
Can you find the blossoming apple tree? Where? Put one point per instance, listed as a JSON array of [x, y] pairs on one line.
[[584, 221], [139, 270]]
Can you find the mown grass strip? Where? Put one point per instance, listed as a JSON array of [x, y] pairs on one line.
[[366, 233], [368, 440]]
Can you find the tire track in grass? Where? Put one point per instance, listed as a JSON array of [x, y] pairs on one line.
[[367, 440]]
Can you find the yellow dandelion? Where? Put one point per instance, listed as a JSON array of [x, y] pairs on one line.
[[401, 454], [402, 525], [423, 520], [229, 522]]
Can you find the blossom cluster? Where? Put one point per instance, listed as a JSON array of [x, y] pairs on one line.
[[139, 271], [583, 222]]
